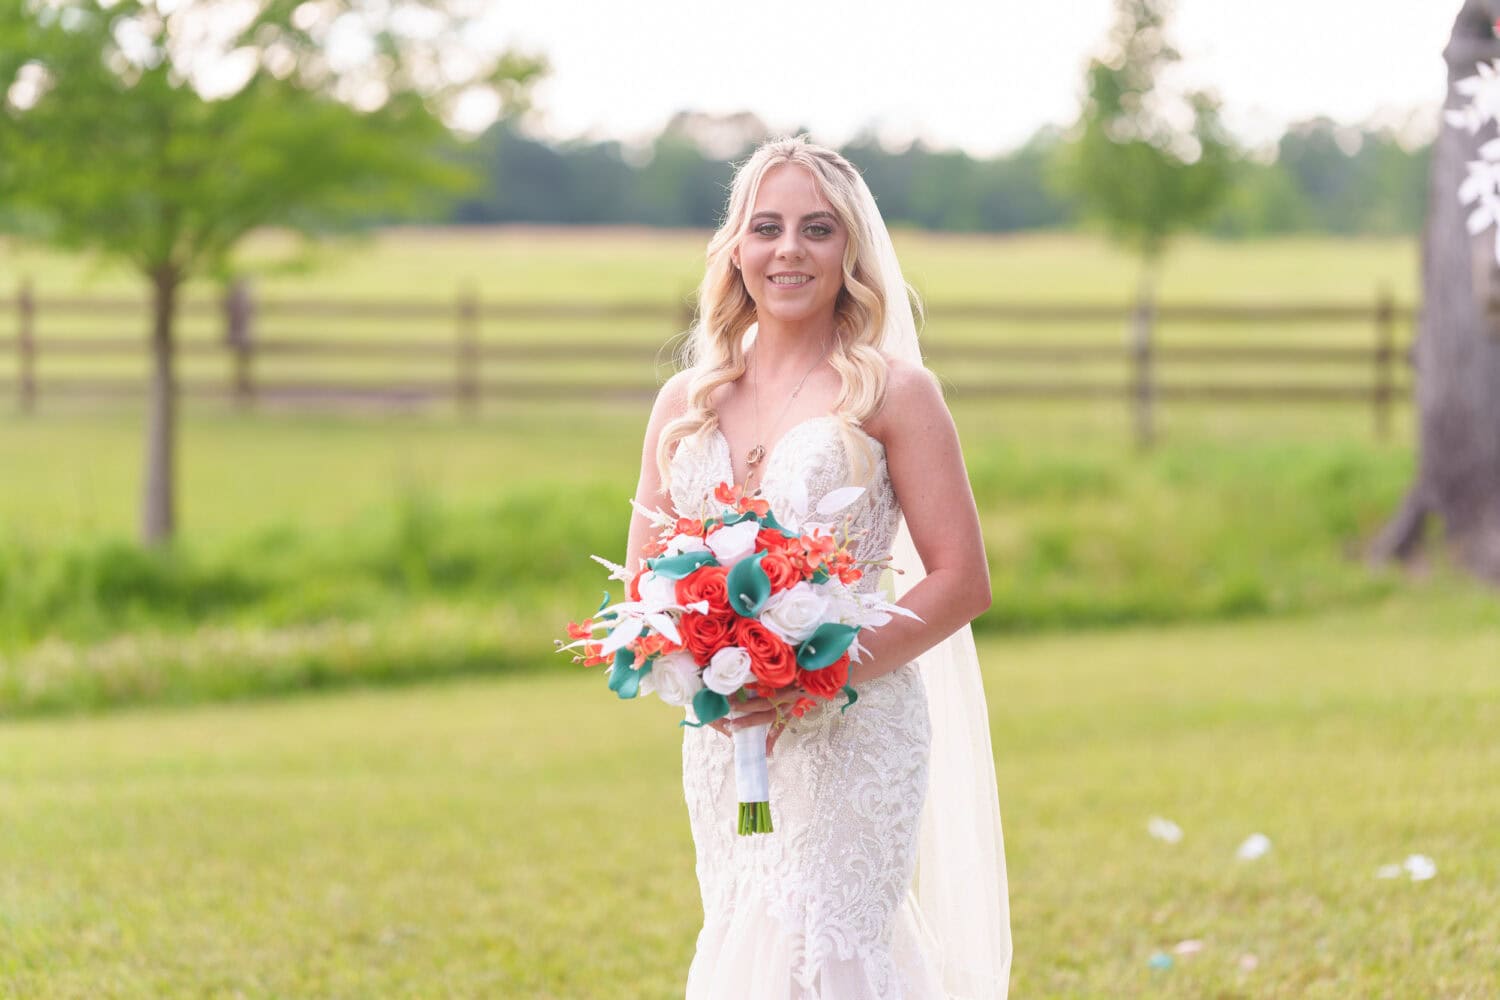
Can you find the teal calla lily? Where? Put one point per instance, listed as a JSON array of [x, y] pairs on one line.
[[709, 706], [853, 697], [748, 586], [678, 566], [827, 643], [624, 677]]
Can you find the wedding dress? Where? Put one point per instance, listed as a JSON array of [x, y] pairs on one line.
[[823, 908]]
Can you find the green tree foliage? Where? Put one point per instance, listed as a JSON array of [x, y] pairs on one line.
[[132, 129], [1146, 163]]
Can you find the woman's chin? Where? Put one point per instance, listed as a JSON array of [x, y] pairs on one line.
[[788, 314]]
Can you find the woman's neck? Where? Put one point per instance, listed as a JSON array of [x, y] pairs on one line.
[[782, 352]]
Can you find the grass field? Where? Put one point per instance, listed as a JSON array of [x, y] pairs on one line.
[[1188, 633], [661, 268], [525, 837]]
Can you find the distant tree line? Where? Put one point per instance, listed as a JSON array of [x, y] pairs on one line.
[[1325, 178]]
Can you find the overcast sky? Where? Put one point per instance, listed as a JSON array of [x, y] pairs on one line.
[[969, 73]]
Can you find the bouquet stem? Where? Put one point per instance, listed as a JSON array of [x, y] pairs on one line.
[[752, 779], [755, 817]]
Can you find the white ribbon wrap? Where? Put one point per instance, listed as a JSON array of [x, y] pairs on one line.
[[751, 777]]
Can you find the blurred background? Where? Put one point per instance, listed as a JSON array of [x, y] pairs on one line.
[[328, 334]]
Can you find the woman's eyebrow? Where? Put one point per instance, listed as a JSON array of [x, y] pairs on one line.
[[809, 215]]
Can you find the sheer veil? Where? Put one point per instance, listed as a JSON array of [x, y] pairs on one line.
[[960, 887]]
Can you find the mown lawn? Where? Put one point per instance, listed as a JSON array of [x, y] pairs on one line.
[[524, 836]]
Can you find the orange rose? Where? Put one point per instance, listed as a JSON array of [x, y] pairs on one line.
[[827, 682], [705, 635], [772, 540], [772, 661], [707, 583], [779, 570]]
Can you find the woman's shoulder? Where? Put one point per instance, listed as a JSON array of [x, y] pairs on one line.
[[911, 390], [672, 397]]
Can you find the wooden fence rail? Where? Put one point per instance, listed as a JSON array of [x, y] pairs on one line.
[[470, 360]]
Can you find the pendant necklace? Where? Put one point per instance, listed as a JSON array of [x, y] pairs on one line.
[[755, 454]]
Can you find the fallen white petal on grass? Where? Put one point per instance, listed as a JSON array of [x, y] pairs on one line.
[[1189, 947], [1255, 846], [1420, 866], [1248, 962], [1164, 829]]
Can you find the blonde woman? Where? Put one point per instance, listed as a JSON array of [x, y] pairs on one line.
[[885, 876]]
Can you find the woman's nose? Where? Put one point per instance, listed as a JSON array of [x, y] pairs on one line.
[[790, 245]]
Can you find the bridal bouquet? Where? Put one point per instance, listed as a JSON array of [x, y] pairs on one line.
[[735, 603]]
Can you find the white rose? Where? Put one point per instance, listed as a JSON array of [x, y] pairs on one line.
[[728, 671], [685, 543], [658, 591], [675, 679], [795, 614], [731, 544]]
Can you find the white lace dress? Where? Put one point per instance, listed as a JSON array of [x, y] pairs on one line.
[[821, 909]]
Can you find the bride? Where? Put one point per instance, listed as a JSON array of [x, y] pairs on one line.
[[885, 876]]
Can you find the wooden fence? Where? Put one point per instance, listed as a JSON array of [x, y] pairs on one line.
[[474, 367]]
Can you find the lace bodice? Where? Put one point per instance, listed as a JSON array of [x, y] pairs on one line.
[[812, 452], [826, 888]]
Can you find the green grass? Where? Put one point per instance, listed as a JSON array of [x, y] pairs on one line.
[[316, 552], [1188, 633], [652, 266], [525, 837], [662, 268]]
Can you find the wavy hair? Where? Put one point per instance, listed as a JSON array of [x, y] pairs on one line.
[[713, 351]]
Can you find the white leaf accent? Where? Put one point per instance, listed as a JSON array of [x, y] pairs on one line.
[[616, 571], [837, 500], [664, 624], [628, 628], [796, 501], [657, 517]]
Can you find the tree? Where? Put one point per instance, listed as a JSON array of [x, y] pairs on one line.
[[1144, 162], [162, 133], [1457, 348]]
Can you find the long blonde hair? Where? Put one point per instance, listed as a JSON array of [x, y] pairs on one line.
[[713, 351]]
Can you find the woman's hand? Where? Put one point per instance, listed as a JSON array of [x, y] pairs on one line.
[[759, 712]]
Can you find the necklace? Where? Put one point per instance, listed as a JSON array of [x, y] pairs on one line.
[[755, 454]]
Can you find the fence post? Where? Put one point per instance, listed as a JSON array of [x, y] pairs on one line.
[[26, 347], [467, 355], [239, 311], [1385, 356], [1143, 389]]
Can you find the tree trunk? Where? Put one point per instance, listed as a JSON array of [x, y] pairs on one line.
[[158, 507], [1457, 349]]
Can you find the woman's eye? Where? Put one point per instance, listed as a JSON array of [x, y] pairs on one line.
[[764, 226], [819, 229]]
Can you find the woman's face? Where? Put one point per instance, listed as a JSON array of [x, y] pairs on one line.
[[791, 256]]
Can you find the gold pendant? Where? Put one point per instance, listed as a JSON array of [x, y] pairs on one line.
[[756, 454]]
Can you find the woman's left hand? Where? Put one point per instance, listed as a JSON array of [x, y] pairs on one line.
[[773, 711]]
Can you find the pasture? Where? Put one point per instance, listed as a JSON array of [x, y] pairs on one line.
[[524, 836], [1188, 633]]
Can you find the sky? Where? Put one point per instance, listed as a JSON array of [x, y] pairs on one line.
[[981, 75]]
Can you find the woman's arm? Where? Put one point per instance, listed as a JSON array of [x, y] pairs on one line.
[[671, 402], [927, 471]]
